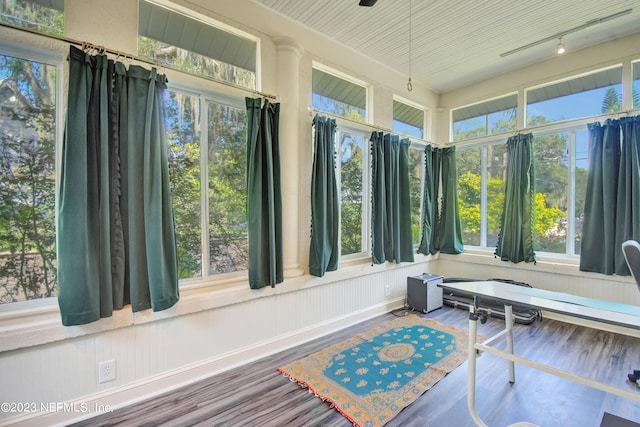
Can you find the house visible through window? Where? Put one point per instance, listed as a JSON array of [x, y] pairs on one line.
[[27, 179]]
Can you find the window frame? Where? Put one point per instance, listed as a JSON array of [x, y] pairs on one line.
[[425, 116], [365, 227], [55, 59], [205, 97], [192, 14], [525, 106], [518, 110], [348, 78]]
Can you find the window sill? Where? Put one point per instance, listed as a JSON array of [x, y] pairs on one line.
[[37, 322], [545, 262]]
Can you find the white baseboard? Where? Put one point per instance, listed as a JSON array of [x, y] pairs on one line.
[[118, 397]]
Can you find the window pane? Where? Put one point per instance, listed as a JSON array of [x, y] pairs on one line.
[[164, 53], [408, 120], [227, 156], [338, 96], [468, 166], [584, 96], [34, 16], [168, 37], [636, 85], [351, 192], [27, 180], [582, 166], [485, 118], [182, 118], [552, 186], [416, 161], [496, 174]]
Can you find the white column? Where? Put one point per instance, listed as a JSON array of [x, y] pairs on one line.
[[288, 54]]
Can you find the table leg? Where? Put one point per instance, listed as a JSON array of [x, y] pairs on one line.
[[471, 381], [508, 320]]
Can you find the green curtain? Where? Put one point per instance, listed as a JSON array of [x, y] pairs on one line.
[[116, 241], [391, 237], [515, 242], [264, 197], [441, 224], [325, 220], [450, 224], [612, 202]]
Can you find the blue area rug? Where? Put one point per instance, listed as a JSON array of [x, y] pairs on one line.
[[371, 377]]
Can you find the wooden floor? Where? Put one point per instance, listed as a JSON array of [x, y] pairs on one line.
[[258, 395]]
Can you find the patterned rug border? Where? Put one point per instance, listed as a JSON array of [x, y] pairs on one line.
[[451, 361]]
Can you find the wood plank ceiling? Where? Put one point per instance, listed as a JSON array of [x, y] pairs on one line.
[[458, 42]]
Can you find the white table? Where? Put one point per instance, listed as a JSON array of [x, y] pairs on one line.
[[572, 305]]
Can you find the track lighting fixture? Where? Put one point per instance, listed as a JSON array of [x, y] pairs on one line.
[[560, 48], [561, 34]]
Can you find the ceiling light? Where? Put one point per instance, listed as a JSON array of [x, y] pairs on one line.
[[561, 34], [560, 48]]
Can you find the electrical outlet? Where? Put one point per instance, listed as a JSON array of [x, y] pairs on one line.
[[107, 371], [387, 290]]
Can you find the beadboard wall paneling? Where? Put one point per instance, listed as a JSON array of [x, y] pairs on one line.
[[225, 337]]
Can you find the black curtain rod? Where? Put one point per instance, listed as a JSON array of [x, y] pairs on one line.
[[128, 56]]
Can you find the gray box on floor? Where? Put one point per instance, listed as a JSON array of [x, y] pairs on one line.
[[423, 292]]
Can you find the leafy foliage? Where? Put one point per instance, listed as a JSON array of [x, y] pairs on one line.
[[195, 63], [31, 15], [27, 180]]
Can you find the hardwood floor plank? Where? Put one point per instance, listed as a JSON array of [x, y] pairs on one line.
[[258, 395]]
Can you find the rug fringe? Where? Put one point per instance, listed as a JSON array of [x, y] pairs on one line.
[[324, 399]]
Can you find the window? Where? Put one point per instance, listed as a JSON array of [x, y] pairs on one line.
[[636, 85], [45, 16], [168, 37], [561, 178], [587, 95], [481, 174], [222, 239], [227, 163], [337, 95], [182, 115], [416, 174], [408, 120], [353, 177], [486, 118], [27, 179]]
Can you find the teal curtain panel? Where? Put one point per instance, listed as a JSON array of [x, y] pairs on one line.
[[441, 223], [391, 238], [450, 224], [325, 218], [612, 202], [116, 240], [515, 242], [430, 206], [264, 194]]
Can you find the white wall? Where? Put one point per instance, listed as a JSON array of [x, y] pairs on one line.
[[211, 328], [214, 329]]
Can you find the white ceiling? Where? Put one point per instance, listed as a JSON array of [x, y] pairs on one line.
[[458, 42]]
